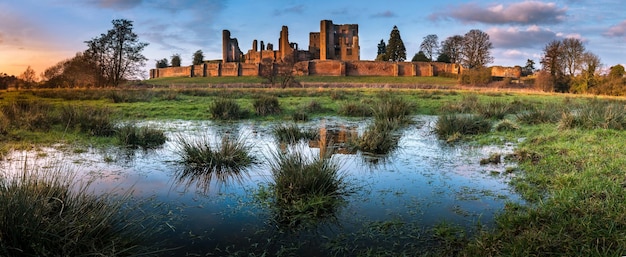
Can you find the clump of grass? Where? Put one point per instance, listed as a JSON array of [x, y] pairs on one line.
[[305, 188], [495, 158], [266, 105], [30, 114], [463, 124], [94, 121], [292, 133], [467, 104], [300, 115], [393, 109], [355, 110], [534, 117], [313, 107], [226, 109], [595, 115], [132, 136], [506, 125], [202, 155], [378, 138], [494, 110], [49, 213]]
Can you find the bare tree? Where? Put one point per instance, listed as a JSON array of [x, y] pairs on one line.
[[451, 48], [476, 51], [572, 54], [430, 46], [551, 61]]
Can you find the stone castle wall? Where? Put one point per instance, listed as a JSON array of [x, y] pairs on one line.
[[313, 68]]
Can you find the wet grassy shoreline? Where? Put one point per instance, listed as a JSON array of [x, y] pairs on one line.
[[570, 168]]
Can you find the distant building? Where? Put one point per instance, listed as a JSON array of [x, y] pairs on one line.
[[333, 42]]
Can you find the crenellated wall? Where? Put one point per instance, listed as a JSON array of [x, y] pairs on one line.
[[316, 68]]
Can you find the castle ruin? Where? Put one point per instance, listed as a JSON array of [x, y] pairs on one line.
[[333, 42], [333, 51]]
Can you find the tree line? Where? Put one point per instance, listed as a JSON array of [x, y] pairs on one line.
[[197, 59]]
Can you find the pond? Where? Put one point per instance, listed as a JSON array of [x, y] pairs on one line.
[[394, 202]]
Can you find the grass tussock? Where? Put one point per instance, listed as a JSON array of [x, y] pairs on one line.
[[226, 109], [30, 114], [130, 135], [93, 121], [353, 109], [595, 115], [378, 138], [51, 214], [266, 105], [203, 155], [452, 126], [305, 188], [292, 133]]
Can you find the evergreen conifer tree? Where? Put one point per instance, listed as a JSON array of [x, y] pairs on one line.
[[396, 52]]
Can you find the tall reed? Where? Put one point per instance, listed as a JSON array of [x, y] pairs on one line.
[[51, 213]]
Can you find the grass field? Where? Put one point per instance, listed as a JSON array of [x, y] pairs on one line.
[[571, 172]]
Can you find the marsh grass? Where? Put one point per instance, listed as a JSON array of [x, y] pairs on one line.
[[305, 188], [394, 109], [51, 213], [353, 109], [576, 194], [595, 115], [266, 105], [292, 133], [205, 156], [378, 138], [30, 114], [130, 135], [226, 109], [506, 125], [453, 125]]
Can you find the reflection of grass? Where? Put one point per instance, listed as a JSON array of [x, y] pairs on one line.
[[305, 189], [292, 133], [50, 214]]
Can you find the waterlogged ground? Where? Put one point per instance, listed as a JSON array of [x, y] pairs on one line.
[[394, 204]]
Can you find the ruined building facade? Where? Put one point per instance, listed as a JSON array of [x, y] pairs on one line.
[[333, 42]]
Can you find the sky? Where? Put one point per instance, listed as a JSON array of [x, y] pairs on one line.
[[41, 33]]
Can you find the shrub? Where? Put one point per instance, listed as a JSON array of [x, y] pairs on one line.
[[463, 124], [292, 133], [130, 135], [225, 109], [266, 105], [52, 214], [479, 76]]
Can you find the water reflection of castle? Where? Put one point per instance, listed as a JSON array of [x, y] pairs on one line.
[[335, 138]]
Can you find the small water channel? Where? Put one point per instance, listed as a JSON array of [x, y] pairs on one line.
[[395, 199]]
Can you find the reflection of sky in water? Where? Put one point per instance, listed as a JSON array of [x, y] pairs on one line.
[[424, 180]]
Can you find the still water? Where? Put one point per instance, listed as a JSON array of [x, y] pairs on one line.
[[394, 200]]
